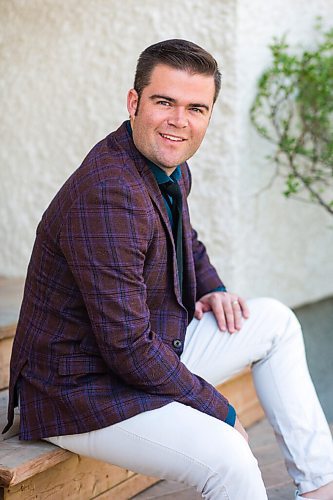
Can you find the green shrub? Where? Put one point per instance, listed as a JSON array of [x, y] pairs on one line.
[[293, 109]]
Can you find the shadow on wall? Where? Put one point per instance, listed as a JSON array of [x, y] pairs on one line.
[[317, 320]]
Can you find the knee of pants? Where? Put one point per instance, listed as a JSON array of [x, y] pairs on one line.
[[237, 470], [242, 461], [276, 312]]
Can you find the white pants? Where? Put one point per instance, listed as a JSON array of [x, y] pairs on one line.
[[180, 443]]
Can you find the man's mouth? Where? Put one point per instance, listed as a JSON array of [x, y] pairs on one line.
[[172, 138]]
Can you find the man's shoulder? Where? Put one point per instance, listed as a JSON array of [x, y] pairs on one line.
[[112, 161], [113, 156]]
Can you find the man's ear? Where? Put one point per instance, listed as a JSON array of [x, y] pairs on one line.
[[132, 102]]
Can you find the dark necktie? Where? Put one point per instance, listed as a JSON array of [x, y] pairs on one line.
[[172, 189]]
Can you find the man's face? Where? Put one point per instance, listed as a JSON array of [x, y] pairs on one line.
[[172, 117]]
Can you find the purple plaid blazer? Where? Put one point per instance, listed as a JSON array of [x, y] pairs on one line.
[[102, 322]]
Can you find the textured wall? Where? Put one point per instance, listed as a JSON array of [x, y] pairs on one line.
[[66, 67]]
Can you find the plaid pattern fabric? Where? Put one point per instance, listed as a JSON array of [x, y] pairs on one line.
[[95, 343]]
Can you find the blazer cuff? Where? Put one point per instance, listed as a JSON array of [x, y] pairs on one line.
[[231, 417], [218, 289]]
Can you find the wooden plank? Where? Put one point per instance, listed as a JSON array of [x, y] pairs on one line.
[[8, 331], [6, 345], [127, 489], [11, 293], [79, 478], [241, 393], [20, 461]]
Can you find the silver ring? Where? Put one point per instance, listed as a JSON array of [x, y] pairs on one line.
[[234, 302]]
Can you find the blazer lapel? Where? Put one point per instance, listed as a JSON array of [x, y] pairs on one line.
[[189, 286]]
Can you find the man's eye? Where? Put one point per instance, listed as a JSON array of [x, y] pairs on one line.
[[196, 110], [163, 103]]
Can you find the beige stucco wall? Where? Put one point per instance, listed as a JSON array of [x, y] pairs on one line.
[[65, 70]]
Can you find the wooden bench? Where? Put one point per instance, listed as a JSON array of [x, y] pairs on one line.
[[38, 470]]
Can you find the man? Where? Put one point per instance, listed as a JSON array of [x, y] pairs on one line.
[[108, 361]]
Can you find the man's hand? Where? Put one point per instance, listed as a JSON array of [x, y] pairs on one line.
[[228, 309], [238, 426]]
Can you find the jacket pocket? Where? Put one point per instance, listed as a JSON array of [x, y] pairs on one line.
[[80, 364]]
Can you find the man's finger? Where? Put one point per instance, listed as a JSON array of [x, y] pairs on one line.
[[229, 315], [244, 308], [237, 314], [218, 312], [198, 313]]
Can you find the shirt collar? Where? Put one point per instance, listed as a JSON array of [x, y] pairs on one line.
[[159, 174]]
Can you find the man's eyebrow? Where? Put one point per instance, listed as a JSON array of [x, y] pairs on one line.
[[199, 105], [170, 99], [164, 97]]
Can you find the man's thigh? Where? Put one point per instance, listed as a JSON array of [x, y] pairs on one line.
[[179, 443], [217, 356]]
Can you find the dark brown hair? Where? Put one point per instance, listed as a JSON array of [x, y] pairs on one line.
[[179, 54]]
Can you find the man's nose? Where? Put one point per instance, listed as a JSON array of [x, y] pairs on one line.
[[178, 117]]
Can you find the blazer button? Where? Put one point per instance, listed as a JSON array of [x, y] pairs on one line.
[[177, 343]]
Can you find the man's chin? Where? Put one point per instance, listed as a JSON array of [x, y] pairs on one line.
[[171, 164]]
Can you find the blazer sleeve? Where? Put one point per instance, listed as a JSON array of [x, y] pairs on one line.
[[105, 240]]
